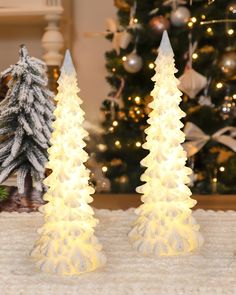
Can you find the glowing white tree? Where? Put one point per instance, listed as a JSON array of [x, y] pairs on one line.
[[67, 244], [165, 225]]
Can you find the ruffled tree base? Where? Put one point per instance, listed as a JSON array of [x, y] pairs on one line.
[[75, 261], [163, 237]]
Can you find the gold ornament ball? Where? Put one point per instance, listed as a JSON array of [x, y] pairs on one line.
[[158, 24], [227, 64]]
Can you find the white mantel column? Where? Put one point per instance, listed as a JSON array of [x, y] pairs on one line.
[[53, 41]]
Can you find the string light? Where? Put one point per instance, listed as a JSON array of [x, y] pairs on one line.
[[190, 24], [222, 169], [124, 58], [234, 96], [209, 31], [129, 98], [214, 179], [137, 99], [135, 20], [217, 21], [102, 147], [111, 129], [123, 179], [230, 31], [195, 55], [138, 144], [193, 19], [115, 123], [151, 65], [113, 70], [104, 169], [219, 85], [117, 143]]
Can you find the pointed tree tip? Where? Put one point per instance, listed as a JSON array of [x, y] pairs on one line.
[[68, 66], [165, 45], [23, 51]]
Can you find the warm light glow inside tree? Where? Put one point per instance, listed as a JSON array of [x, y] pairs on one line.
[[165, 225], [67, 244]]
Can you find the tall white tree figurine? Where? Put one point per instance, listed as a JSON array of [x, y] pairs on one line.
[[165, 225], [67, 244]]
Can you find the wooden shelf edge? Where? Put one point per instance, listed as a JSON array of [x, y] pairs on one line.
[[126, 201]]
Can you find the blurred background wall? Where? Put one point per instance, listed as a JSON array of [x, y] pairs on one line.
[[80, 16]]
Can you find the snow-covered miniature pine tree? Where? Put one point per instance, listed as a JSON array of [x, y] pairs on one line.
[[67, 244], [165, 225], [26, 115]]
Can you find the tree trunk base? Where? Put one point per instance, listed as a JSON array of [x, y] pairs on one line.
[[21, 203]]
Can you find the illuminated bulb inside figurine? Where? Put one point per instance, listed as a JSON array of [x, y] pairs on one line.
[[67, 244], [165, 225]]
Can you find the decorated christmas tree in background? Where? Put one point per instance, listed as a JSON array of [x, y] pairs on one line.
[[67, 244], [165, 225], [207, 70], [26, 115]]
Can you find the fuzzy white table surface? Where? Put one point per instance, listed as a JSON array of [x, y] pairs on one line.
[[209, 271]]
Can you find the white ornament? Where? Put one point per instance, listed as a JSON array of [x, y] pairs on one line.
[[117, 35], [165, 225], [121, 38], [180, 16], [196, 138], [67, 244], [205, 100], [192, 82], [133, 63], [125, 39]]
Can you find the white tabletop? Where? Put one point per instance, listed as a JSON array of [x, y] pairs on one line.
[[210, 271]]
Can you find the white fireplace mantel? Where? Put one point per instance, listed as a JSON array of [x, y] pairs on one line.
[[48, 12]]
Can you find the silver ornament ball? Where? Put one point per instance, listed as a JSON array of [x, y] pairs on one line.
[[133, 63], [180, 16], [227, 64]]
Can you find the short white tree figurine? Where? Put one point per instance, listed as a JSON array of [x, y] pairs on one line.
[[67, 244], [165, 225]]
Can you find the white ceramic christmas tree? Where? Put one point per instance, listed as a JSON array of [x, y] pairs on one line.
[[67, 244], [165, 225]]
